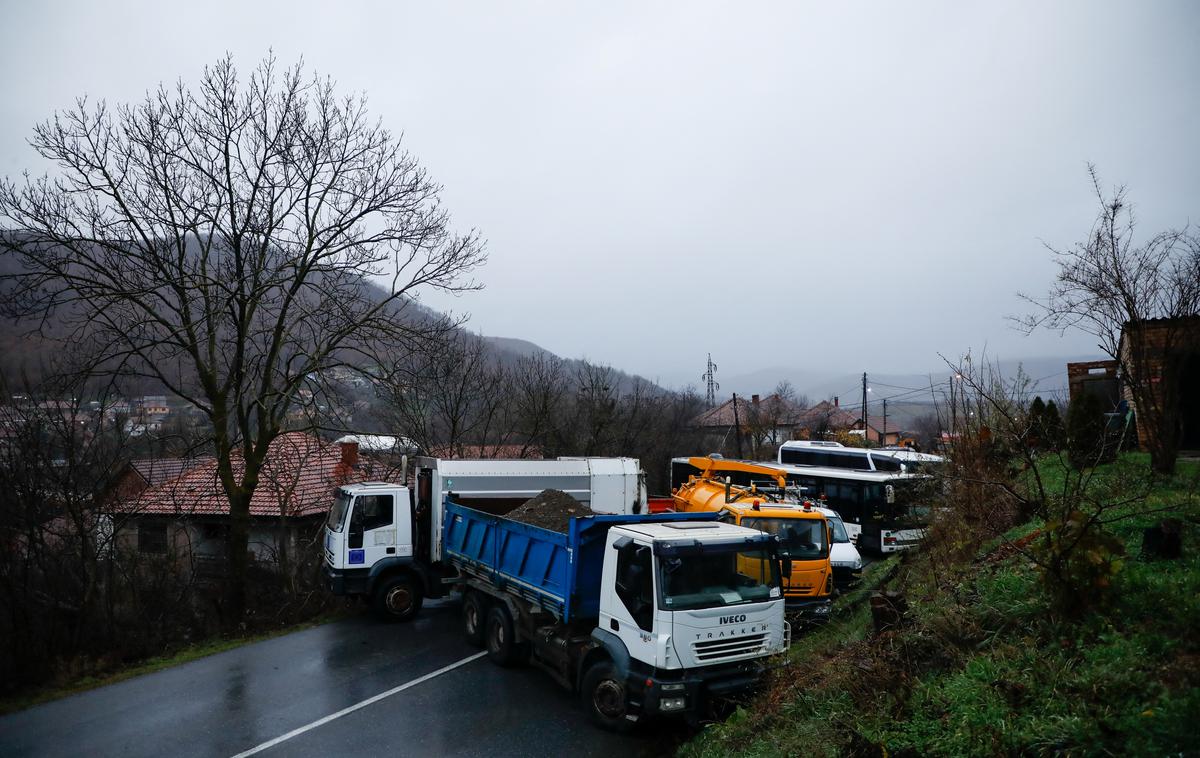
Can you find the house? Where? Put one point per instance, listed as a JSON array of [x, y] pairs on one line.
[[1098, 378], [877, 430], [186, 517], [1166, 353], [763, 423], [153, 405], [823, 419]]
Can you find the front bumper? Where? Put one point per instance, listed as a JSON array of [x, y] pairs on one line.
[[846, 576], [689, 693], [345, 581]]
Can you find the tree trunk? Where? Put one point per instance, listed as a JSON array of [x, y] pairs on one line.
[[239, 542]]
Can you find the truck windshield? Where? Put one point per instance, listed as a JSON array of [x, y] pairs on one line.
[[799, 539], [337, 514], [716, 579]]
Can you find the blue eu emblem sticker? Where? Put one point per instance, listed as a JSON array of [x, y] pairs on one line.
[[358, 556]]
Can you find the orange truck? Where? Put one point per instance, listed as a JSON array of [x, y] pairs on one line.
[[804, 534]]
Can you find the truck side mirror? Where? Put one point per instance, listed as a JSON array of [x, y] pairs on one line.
[[786, 567]]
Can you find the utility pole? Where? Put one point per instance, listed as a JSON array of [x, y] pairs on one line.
[[737, 426], [864, 406], [710, 383], [883, 434]]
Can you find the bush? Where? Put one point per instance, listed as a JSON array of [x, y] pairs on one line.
[[1086, 433]]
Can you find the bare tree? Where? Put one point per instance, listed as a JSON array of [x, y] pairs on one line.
[[453, 394], [539, 391], [219, 241], [595, 409], [1113, 289]]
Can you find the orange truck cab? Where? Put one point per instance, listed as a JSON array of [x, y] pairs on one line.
[[804, 534]]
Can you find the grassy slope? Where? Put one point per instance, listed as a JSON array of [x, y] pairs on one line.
[[984, 670]]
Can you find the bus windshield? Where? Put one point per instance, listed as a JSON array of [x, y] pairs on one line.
[[799, 539]]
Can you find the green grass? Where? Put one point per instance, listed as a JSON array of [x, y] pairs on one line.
[[150, 665], [986, 667]]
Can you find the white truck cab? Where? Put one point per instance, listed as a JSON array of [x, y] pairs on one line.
[[691, 594]]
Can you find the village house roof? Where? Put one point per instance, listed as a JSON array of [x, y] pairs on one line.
[[155, 471], [827, 414], [780, 412], [298, 479]]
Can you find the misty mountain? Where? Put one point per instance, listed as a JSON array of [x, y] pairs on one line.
[[1048, 376]]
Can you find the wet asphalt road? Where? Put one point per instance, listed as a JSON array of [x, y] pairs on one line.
[[235, 701]]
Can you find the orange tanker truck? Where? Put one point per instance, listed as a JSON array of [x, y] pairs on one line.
[[803, 532]]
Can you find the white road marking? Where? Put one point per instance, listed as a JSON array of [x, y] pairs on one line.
[[357, 706]]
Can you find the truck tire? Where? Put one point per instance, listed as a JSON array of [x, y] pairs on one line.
[[397, 598], [606, 698], [500, 637], [474, 614]]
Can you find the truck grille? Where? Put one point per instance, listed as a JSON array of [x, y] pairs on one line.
[[730, 647]]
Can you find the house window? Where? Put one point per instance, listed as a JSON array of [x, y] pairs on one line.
[[152, 538]]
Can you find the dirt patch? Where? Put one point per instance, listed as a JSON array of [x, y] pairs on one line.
[[550, 509]]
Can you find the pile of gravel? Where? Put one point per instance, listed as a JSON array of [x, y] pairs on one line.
[[550, 509]]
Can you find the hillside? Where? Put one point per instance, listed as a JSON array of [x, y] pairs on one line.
[[984, 664], [28, 347]]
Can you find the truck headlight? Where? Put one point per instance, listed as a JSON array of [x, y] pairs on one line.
[[672, 703]]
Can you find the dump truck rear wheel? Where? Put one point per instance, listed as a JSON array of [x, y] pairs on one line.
[[474, 613], [500, 638]]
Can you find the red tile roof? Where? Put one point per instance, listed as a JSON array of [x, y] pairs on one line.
[[155, 471], [827, 414], [298, 479], [776, 409]]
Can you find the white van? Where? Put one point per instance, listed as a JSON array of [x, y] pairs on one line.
[[843, 556]]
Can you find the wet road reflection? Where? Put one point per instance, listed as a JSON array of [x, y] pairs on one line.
[[232, 701]]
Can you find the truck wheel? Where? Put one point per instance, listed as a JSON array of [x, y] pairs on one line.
[[474, 613], [397, 598], [500, 637], [606, 698]]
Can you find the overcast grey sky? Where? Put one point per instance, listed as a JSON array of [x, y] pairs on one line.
[[774, 183]]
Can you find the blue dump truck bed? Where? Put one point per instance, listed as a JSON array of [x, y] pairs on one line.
[[558, 572]]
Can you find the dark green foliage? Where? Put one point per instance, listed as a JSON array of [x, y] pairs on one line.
[[1052, 425], [1044, 428], [1085, 431], [1035, 436]]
